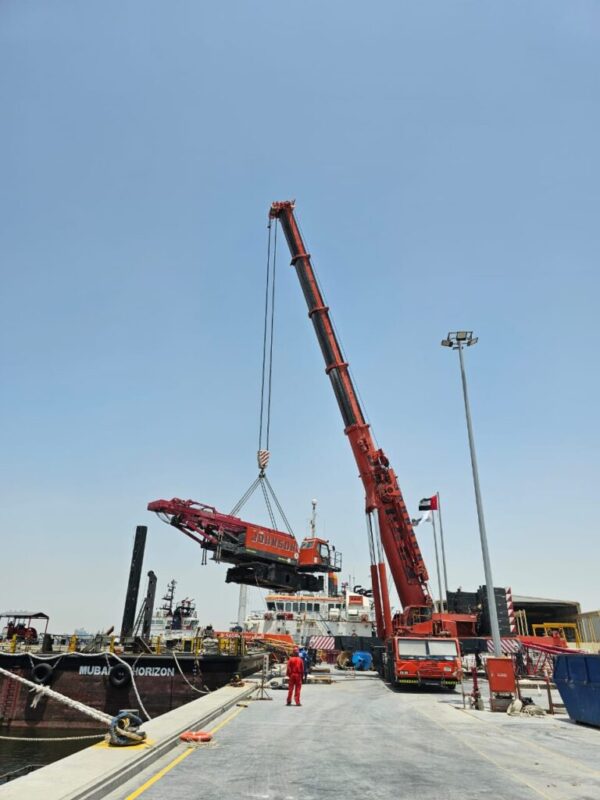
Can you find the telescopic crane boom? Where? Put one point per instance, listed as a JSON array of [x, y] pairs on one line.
[[387, 516]]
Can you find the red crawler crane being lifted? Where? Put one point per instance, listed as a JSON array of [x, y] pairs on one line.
[[388, 521], [261, 556]]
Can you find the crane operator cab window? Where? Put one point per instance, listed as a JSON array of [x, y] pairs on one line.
[[324, 552]]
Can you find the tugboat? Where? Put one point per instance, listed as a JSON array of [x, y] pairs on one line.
[[174, 620]]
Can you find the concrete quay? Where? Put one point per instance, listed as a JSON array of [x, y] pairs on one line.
[[92, 773], [355, 736], [359, 738]]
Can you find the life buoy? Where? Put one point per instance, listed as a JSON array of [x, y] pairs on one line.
[[196, 736], [42, 673], [119, 676]]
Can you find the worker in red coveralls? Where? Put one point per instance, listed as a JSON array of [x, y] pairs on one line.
[[295, 672]]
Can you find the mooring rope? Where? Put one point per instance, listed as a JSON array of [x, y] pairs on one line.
[[118, 727], [135, 689], [200, 691], [52, 738], [40, 690], [105, 653]]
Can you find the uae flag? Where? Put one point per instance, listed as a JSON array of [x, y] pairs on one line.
[[429, 504]]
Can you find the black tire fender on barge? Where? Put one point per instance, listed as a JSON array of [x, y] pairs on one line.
[[42, 673], [119, 676]]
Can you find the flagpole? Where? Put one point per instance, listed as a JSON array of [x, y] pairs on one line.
[[439, 510], [437, 560]]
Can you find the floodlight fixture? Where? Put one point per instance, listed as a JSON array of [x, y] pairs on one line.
[[458, 339]]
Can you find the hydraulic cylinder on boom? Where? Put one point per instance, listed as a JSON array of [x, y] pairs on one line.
[[388, 521]]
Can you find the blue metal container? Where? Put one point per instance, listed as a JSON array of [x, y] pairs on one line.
[[362, 660], [577, 678]]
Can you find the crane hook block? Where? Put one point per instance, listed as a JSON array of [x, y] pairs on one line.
[[263, 459]]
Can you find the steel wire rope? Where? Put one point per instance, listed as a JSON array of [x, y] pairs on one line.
[[267, 501], [270, 379], [265, 328], [266, 389], [278, 504], [244, 499]]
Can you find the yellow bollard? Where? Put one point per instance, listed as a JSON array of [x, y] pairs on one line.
[[73, 644], [111, 646], [13, 644], [158, 645]]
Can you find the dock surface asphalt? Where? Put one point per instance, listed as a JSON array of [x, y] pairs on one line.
[[358, 738]]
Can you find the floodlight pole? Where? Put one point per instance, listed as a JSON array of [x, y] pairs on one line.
[[457, 344]]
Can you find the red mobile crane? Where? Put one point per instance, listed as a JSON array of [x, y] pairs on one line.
[[261, 556], [388, 521]]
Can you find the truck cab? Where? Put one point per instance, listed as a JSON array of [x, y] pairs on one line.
[[419, 661]]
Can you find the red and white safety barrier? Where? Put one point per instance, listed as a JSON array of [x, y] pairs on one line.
[[322, 642], [511, 610]]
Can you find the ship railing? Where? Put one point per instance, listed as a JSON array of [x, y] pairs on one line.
[[222, 643]]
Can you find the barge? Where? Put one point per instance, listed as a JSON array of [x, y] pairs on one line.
[[108, 683]]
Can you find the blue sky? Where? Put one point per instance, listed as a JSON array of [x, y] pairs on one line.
[[444, 157]]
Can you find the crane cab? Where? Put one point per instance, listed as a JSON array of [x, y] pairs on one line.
[[317, 555]]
